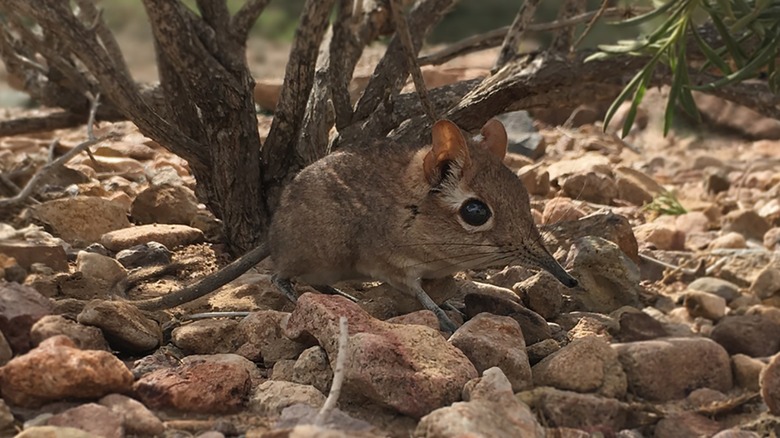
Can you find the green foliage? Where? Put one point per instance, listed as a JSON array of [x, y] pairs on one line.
[[666, 203], [672, 24]]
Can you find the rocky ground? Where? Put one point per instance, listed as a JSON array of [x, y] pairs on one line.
[[674, 331]]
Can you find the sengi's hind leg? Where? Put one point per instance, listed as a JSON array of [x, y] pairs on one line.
[[285, 287], [330, 290]]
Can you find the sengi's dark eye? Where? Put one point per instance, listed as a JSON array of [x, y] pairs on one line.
[[475, 212]]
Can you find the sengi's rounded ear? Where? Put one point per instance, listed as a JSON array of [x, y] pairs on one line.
[[448, 147], [494, 138]]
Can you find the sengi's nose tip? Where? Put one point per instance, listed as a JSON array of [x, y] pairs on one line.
[[570, 282]]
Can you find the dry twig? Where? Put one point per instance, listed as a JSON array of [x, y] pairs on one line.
[[50, 167], [600, 13], [402, 30], [338, 374], [516, 32]]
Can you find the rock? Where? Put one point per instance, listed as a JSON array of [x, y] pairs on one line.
[[495, 341], [660, 236], [638, 326], [535, 180], [702, 397], [590, 162], [136, 418], [146, 254], [745, 222], [335, 423], [93, 418], [736, 433], [12, 272], [699, 363], [54, 432], [533, 326], [559, 408], [609, 226], [542, 349], [263, 340], [725, 289], [20, 308], [136, 151], [410, 368], [586, 365], [57, 370], [100, 268], [312, 368], [207, 336], [271, 397], [125, 327], [586, 324], [165, 204], [716, 181], [542, 293], [491, 411], [769, 382], [731, 240], [635, 186], [82, 219], [5, 350], [421, 317], [6, 419], [769, 312], [170, 236], [686, 424], [692, 222], [753, 335], [27, 253], [522, 136], [219, 383], [508, 277], [746, 371], [608, 278], [771, 239], [84, 337], [767, 283], [705, 305], [561, 210], [590, 187]]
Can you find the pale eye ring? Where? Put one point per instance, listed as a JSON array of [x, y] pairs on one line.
[[475, 212]]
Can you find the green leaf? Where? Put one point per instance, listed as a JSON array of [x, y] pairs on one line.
[[629, 88], [766, 52], [638, 96], [657, 12], [710, 54], [732, 46]]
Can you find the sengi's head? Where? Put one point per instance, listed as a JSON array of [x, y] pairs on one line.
[[476, 213]]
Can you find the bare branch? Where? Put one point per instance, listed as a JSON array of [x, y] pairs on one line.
[[554, 81], [80, 42], [245, 18], [402, 31], [516, 33], [562, 41], [59, 162], [49, 122], [600, 13], [351, 34], [494, 38], [216, 15], [298, 80], [390, 73], [106, 37]]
